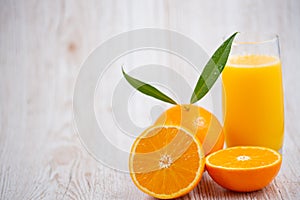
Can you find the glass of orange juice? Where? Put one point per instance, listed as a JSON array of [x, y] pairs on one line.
[[253, 107]]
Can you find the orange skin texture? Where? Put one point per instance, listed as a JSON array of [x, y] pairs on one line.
[[197, 120], [251, 179], [244, 179]]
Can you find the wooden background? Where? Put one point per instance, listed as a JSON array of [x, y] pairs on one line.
[[42, 45]]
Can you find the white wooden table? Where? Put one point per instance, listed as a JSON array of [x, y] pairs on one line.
[[42, 45]]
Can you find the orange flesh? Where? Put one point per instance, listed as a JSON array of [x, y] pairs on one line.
[[166, 160], [244, 158], [244, 169]]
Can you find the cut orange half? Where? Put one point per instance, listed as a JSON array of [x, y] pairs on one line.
[[244, 169], [166, 161]]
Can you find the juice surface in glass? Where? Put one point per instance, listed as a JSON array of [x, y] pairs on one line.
[[253, 107]]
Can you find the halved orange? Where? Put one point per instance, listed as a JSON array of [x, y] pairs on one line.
[[244, 168], [166, 161], [198, 121]]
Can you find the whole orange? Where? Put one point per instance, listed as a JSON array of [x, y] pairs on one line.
[[198, 121]]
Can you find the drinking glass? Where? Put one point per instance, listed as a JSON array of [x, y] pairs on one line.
[[252, 99]]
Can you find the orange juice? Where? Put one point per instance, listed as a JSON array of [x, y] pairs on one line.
[[253, 101]]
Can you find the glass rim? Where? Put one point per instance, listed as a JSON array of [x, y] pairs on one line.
[[254, 38]]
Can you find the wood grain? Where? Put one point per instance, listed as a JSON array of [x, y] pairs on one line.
[[42, 45]]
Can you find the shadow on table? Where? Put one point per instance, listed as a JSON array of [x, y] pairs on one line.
[[208, 189]]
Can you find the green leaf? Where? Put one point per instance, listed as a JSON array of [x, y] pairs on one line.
[[147, 89], [212, 70]]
